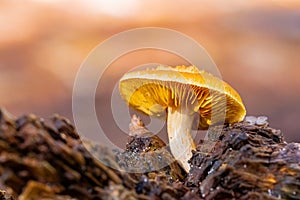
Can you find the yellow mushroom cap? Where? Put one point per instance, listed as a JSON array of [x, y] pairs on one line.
[[152, 91]]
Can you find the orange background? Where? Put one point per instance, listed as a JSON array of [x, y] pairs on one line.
[[255, 44]]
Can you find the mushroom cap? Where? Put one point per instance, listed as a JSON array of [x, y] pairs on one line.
[[152, 91]]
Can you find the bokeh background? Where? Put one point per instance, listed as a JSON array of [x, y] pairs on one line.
[[255, 44]]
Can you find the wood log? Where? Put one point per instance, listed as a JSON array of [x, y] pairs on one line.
[[45, 159]]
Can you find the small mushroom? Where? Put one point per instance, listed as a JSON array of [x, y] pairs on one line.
[[182, 92]]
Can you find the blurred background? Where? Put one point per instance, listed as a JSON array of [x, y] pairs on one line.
[[255, 44]]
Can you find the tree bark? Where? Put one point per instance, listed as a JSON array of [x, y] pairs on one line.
[[45, 159]]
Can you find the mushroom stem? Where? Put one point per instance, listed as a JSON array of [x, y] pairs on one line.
[[179, 124]]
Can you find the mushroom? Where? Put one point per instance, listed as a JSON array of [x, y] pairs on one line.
[[182, 92]]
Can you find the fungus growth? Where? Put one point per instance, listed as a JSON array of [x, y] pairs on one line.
[[182, 93]]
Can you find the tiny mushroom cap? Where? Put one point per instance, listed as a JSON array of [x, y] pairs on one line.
[[182, 92]]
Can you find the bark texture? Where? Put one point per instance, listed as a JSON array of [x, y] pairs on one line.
[[45, 159]]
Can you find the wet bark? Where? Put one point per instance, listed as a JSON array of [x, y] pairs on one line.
[[45, 159]]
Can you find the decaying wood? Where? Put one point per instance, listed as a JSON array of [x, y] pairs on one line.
[[45, 159]]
